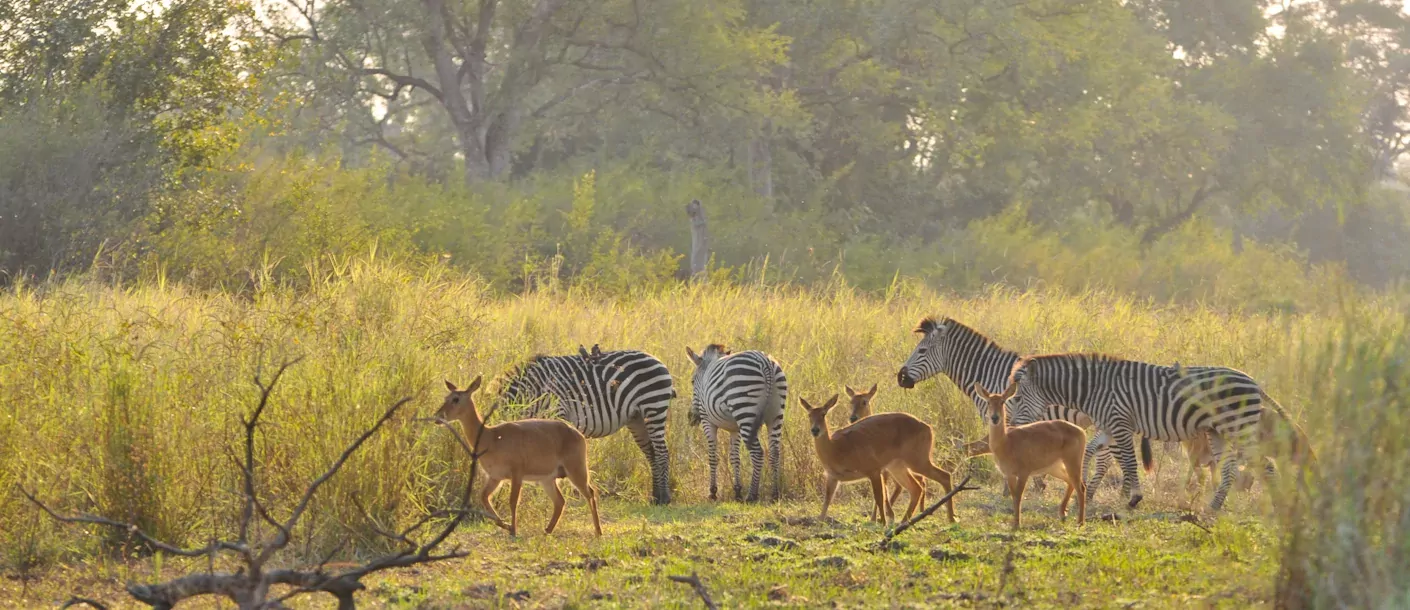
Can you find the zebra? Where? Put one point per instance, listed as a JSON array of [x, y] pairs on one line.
[[599, 393], [739, 393], [967, 356], [1168, 403]]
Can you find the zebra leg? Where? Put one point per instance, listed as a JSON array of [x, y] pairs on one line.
[[1103, 460], [711, 438], [656, 456], [1124, 443], [734, 443], [756, 459], [776, 455], [1228, 468]]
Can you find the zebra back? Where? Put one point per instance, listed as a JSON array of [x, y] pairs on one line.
[[598, 393]]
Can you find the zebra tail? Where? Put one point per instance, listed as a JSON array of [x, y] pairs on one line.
[[771, 383], [1302, 446], [1147, 458]]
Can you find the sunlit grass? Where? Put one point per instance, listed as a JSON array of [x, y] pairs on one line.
[[125, 401]]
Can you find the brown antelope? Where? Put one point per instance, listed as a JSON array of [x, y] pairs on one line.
[[537, 450], [889, 442], [1201, 456], [861, 407], [1054, 447]]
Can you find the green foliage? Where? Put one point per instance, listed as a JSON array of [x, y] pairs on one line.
[[103, 106]]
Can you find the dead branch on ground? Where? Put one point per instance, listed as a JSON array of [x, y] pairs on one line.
[[695, 583], [893, 532], [251, 585]]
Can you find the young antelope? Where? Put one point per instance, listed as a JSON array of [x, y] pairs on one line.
[[536, 450], [896, 443], [1052, 447]]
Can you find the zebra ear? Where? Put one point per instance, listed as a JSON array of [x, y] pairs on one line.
[[693, 358], [474, 385], [450, 386]]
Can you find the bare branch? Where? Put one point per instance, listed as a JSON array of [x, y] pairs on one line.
[[283, 539], [404, 80], [81, 601], [963, 486], [567, 95], [694, 581], [247, 467], [131, 530]]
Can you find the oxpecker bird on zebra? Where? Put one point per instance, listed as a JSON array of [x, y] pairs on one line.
[[599, 393], [1127, 397], [968, 357], [740, 393]]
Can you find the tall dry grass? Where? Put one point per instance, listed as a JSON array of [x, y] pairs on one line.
[[124, 401]]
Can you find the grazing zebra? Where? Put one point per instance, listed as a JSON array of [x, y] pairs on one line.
[[739, 393], [1167, 403], [966, 356], [601, 392]]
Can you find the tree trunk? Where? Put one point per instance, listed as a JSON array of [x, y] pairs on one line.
[[762, 158], [699, 239]]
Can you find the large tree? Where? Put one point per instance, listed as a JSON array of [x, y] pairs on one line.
[[400, 73]]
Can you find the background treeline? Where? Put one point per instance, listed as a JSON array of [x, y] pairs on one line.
[[1238, 152]]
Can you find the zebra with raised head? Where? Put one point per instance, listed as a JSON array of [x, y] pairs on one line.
[[967, 356], [599, 393], [1168, 403], [739, 393]]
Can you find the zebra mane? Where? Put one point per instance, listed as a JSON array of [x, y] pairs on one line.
[[717, 348], [957, 327], [518, 370], [1093, 356]]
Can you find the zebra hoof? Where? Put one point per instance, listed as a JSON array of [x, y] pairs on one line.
[[714, 497], [1134, 501]]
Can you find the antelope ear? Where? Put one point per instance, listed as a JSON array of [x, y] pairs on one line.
[[872, 392], [1011, 390], [474, 385], [693, 357], [831, 402], [804, 402], [450, 386], [850, 392], [979, 389]]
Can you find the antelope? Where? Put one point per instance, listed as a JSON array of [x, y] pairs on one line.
[[861, 407], [890, 442], [1201, 456], [1054, 447], [537, 450]]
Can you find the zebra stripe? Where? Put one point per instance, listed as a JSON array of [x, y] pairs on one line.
[[1167, 403], [967, 356], [599, 394], [740, 393]]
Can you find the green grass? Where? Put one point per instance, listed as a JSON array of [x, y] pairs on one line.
[[758, 555], [124, 401]]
